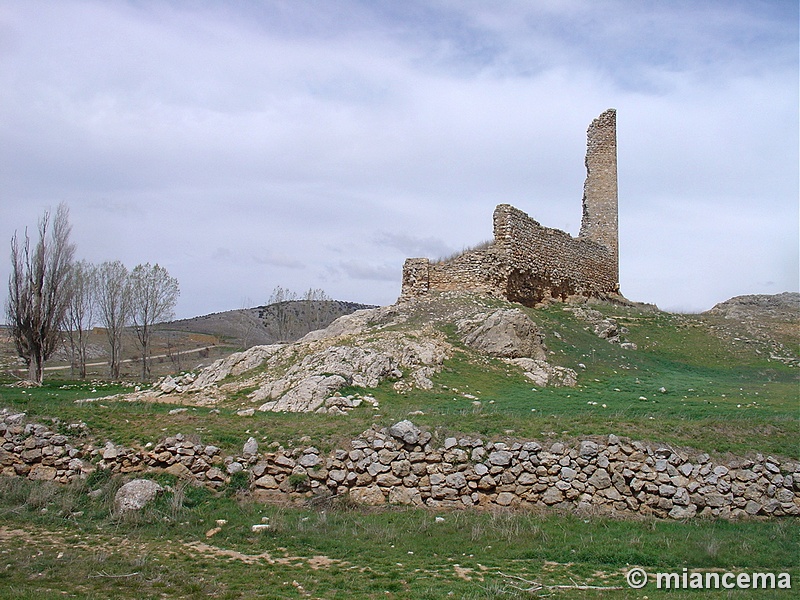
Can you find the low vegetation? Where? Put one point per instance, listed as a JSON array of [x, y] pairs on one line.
[[63, 540], [693, 381]]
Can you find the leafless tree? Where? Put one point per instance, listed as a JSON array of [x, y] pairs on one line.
[[316, 308], [153, 294], [113, 308], [39, 291], [246, 325], [285, 315], [81, 312]]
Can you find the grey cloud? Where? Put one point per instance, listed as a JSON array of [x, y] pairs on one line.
[[413, 246], [357, 269], [278, 260], [255, 144]]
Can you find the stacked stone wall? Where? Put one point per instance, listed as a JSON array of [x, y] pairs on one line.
[[404, 465], [528, 263], [482, 271], [600, 203], [547, 263]]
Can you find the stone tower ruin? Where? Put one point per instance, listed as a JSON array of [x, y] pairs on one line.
[[529, 263], [599, 221]]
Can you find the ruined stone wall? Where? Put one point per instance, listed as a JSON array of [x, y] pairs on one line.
[[600, 204], [482, 271], [547, 263], [404, 465], [529, 263]]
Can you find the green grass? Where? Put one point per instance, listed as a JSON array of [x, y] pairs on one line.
[[719, 395], [683, 386], [57, 541]]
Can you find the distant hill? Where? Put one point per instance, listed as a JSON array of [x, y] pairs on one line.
[[279, 322], [777, 306], [772, 320]]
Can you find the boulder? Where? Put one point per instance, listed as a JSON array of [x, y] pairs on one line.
[[41, 472], [371, 495], [250, 447], [507, 333], [135, 495], [406, 431]]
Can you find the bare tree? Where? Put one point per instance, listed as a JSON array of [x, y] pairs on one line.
[[316, 308], [39, 291], [113, 308], [81, 312], [246, 325], [281, 304], [153, 294]]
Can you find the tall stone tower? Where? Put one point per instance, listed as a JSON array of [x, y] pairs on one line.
[[599, 222]]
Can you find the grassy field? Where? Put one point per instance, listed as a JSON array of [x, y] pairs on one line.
[[682, 386], [58, 542], [718, 392]]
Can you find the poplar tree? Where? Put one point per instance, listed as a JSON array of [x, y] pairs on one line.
[[153, 294], [39, 290], [113, 308]]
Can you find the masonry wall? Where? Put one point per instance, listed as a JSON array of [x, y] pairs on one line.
[[600, 204], [529, 263], [405, 465], [526, 263], [545, 263]]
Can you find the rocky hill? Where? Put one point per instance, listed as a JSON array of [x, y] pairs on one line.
[[785, 306], [406, 343], [409, 342], [770, 323], [282, 321]]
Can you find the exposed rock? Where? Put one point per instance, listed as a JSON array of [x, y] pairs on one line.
[[405, 431], [542, 373], [305, 396], [250, 447], [781, 306], [506, 333], [136, 494], [235, 364], [404, 343], [168, 385]]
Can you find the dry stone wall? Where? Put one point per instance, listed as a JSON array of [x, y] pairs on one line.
[[404, 465], [529, 263]]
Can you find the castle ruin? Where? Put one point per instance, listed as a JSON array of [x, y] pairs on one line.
[[529, 263]]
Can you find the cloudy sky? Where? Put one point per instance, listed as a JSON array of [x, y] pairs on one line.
[[249, 144]]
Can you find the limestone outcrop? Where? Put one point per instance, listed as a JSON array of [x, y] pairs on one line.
[[405, 343], [135, 495], [506, 333]]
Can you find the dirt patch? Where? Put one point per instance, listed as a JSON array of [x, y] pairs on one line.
[[314, 562]]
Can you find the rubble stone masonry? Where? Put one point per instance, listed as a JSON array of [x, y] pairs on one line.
[[405, 465], [529, 263]]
